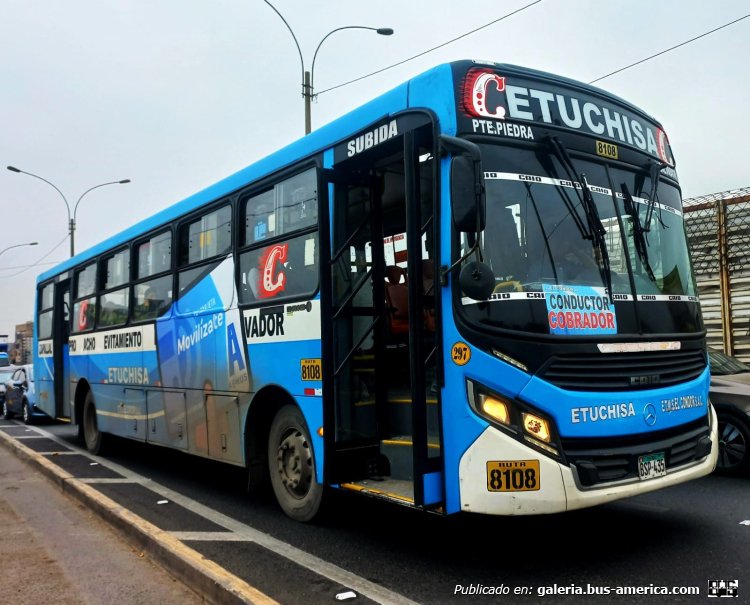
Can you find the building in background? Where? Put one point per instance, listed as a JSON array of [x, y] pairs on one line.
[[22, 352], [718, 230]]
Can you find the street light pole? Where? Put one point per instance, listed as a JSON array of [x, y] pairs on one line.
[[71, 216], [383, 31], [18, 246], [308, 76]]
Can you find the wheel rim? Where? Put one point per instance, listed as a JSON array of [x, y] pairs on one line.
[[26, 412], [5, 408], [732, 445], [295, 463]]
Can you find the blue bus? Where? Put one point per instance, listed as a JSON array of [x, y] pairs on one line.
[[473, 293]]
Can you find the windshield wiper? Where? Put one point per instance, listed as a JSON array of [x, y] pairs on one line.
[[639, 236], [596, 231], [655, 169], [561, 154]]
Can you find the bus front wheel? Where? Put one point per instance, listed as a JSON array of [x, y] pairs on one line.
[[292, 467], [95, 440]]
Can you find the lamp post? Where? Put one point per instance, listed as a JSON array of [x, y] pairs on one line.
[[71, 217], [18, 246], [308, 76]]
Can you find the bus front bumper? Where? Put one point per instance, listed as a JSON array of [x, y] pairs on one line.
[[558, 489]]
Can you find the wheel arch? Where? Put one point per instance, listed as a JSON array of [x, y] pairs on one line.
[[79, 398], [263, 408]]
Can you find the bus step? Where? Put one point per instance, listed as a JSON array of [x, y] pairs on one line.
[[391, 489], [62, 419]]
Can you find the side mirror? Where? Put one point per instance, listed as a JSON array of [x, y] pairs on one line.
[[467, 184], [477, 280]]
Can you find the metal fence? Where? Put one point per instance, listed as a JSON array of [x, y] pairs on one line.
[[718, 230]]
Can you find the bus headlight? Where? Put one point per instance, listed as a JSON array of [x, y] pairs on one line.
[[495, 408], [516, 419]]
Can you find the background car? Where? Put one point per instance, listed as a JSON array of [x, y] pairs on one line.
[[5, 375], [730, 395], [20, 395]]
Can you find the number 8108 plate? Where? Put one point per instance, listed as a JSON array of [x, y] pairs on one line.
[[513, 475]]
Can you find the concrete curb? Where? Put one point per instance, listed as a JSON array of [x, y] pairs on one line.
[[209, 580]]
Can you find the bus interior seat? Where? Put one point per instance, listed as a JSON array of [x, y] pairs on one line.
[[397, 300]]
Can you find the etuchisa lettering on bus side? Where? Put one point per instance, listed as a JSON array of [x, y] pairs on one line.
[[552, 107], [128, 375]]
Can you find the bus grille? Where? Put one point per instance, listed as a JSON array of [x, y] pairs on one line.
[[624, 371], [604, 460]]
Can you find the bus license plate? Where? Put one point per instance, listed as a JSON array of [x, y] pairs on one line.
[[513, 475], [651, 466]]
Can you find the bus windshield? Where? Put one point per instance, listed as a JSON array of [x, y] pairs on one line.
[[540, 238]]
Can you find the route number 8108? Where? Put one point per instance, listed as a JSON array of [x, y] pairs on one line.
[[513, 476]]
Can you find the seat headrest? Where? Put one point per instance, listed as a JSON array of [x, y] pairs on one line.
[[394, 274]]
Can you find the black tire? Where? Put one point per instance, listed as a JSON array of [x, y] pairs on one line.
[[27, 417], [734, 439], [7, 414], [96, 442], [292, 466]]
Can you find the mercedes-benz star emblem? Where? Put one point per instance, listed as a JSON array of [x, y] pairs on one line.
[[649, 414]]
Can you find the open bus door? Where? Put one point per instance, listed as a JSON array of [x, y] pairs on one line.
[[60, 350], [382, 415]]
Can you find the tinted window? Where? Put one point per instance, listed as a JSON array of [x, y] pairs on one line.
[[260, 217], [45, 325], [208, 236], [284, 270], [152, 298], [85, 281], [83, 315], [155, 255], [47, 297], [117, 270], [290, 206], [113, 308]]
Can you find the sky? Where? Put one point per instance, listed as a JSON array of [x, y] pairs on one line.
[[178, 94]]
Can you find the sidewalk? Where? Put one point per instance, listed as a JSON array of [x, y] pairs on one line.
[[54, 550]]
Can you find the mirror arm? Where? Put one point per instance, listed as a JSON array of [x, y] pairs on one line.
[[447, 270], [454, 145]]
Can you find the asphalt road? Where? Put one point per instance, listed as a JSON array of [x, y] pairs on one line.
[[686, 536]]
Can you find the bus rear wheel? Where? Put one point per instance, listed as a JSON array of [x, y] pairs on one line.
[[94, 439], [292, 467]]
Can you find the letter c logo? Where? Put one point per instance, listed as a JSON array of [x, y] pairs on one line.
[[271, 282], [479, 94], [82, 320]]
